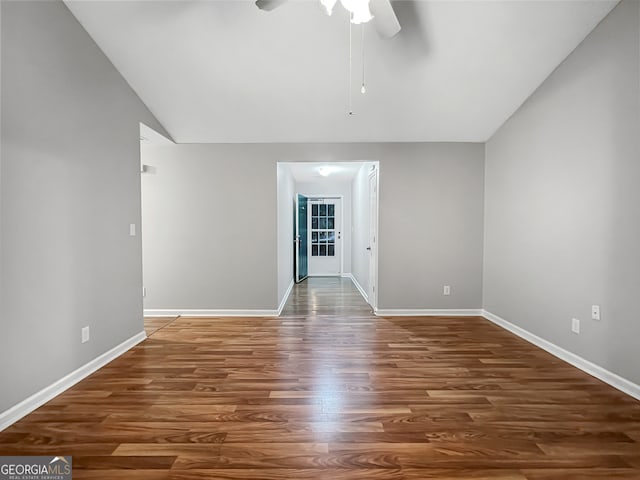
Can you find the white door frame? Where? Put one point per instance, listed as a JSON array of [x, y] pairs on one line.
[[311, 198], [374, 200]]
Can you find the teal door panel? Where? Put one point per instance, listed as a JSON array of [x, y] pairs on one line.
[[301, 238]]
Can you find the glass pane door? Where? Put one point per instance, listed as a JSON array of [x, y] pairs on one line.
[[323, 230], [325, 252]]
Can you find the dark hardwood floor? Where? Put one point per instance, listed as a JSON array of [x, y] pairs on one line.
[[153, 324], [328, 391]]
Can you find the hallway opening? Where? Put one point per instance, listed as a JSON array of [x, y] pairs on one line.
[[326, 296], [327, 225]]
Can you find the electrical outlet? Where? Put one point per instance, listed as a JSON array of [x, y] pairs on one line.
[[575, 325], [132, 229], [85, 334], [446, 290], [144, 292], [595, 312]]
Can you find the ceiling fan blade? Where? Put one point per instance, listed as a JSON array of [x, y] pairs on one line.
[[384, 18], [269, 5]]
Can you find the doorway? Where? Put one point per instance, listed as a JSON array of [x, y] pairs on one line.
[[325, 237], [372, 248], [327, 222]]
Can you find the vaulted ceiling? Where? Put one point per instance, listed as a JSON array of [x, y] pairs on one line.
[[224, 71]]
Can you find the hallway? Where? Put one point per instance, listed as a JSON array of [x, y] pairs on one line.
[[326, 296]]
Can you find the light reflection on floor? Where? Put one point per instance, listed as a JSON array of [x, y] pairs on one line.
[[318, 300]]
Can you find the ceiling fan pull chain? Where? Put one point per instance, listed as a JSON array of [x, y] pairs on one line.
[[363, 89], [350, 66]]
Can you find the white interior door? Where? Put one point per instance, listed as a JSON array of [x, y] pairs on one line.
[[373, 240], [325, 236]]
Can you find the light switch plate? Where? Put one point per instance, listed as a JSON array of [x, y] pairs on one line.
[[575, 325]]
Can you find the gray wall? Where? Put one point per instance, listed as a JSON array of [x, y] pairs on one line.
[[431, 226], [210, 222], [562, 224], [209, 228], [286, 192], [69, 190]]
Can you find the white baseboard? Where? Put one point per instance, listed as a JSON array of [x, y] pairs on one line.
[[211, 313], [283, 302], [28, 405], [397, 312], [358, 286], [591, 368]]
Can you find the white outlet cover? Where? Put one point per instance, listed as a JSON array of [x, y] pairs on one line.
[[446, 290], [595, 312]]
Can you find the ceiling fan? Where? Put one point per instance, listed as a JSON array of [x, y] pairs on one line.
[[380, 12]]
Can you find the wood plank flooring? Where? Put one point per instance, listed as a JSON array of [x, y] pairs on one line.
[[153, 324], [336, 393]]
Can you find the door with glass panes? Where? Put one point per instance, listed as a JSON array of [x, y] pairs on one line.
[[325, 236]]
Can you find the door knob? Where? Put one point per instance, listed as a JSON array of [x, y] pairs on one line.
[[369, 248]]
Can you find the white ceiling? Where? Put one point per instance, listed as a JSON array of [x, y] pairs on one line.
[[148, 136], [224, 71], [309, 172]]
